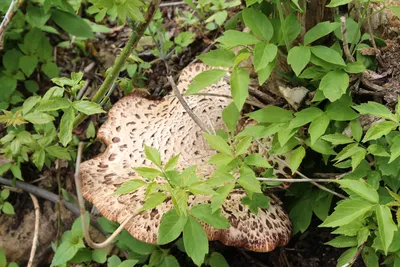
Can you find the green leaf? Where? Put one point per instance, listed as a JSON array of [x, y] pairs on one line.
[[248, 180], [243, 145], [172, 162], [264, 74], [217, 260], [99, 255], [230, 116], [347, 256], [321, 203], [290, 29], [239, 85], [195, 241], [38, 118], [218, 143], [129, 186], [153, 201], [356, 130], [64, 253], [205, 79], [338, 139], [220, 159], [305, 116], [395, 149], [28, 64], [4, 194], [16, 171], [171, 227], [341, 111], [153, 155], [346, 212], [296, 157], [355, 67], [328, 54], [58, 152], [148, 173], [87, 107], [334, 84], [318, 127], [30, 103], [375, 109], [378, 130], [204, 213], [128, 263], [3, 260], [271, 114], [386, 226], [301, 213], [343, 242], [369, 257], [257, 160], [8, 86], [362, 235], [50, 69], [72, 24], [169, 261], [395, 10], [8, 208], [223, 192], [11, 59], [258, 23], [218, 58], [361, 188], [66, 126], [298, 58], [232, 38], [319, 31], [335, 3], [53, 105], [36, 16], [264, 53], [179, 199]]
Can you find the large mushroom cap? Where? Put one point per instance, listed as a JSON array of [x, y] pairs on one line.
[[135, 121]]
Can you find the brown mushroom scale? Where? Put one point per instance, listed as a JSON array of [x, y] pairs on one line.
[[164, 124]]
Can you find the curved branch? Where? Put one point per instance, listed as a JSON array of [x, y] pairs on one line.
[[36, 233]]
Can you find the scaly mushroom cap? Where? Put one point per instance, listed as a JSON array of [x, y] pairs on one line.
[[135, 121]]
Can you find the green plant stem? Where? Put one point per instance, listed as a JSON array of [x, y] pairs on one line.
[[282, 19], [352, 48], [120, 61]]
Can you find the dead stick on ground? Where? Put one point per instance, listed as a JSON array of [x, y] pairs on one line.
[[82, 209], [345, 43], [36, 233], [186, 106], [302, 175]]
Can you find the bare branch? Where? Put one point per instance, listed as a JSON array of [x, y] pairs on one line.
[[302, 175], [345, 43], [36, 233], [303, 180], [82, 209], [186, 106]]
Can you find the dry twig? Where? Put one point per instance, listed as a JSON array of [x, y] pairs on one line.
[[82, 209], [345, 43], [7, 19], [36, 233], [186, 106], [302, 176]]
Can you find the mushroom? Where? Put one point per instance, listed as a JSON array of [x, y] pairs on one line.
[[135, 121]]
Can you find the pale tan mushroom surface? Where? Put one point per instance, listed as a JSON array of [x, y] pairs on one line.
[[135, 121]]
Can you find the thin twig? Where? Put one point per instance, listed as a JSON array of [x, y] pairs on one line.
[[353, 260], [302, 175], [172, 4], [120, 61], [82, 209], [36, 233], [185, 105], [39, 192], [372, 40], [345, 43], [303, 180], [7, 19]]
